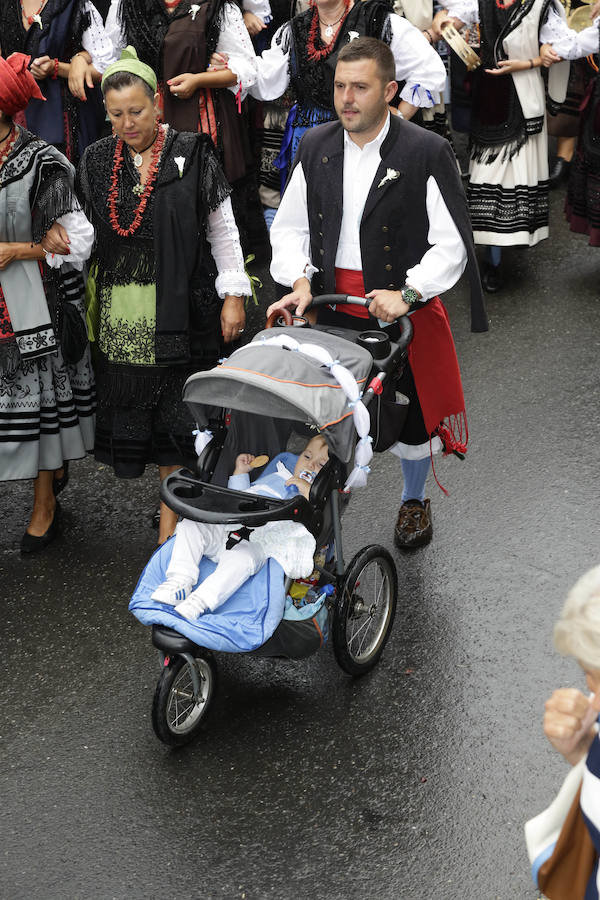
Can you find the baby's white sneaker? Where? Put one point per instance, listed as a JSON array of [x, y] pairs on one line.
[[193, 607], [172, 591]]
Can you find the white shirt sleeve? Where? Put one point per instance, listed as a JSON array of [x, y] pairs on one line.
[[260, 8], [96, 41], [417, 63], [465, 10], [223, 237], [290, 234], [114, 30], [234, 40], [445, 261], [81, 236], [568, 43], [273, 76]]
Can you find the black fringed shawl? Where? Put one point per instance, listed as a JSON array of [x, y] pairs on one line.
[[169, 250], [146, 22], [312, 83], [497, 122], [16, 39]]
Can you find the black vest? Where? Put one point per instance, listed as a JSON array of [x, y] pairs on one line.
[[394, 225]]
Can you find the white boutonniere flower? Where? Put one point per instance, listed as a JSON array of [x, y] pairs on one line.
[[180, 163], [390, 175], [37, 19], [194, 10], [352, 35]]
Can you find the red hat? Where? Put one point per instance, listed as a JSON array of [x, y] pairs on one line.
[[17, 84]]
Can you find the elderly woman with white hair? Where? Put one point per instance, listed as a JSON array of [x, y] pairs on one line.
[[570, 716]]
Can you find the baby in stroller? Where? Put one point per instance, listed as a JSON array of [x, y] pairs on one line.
[[289, 543]]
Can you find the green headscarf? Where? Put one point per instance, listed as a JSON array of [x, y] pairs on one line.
[[129, 62]]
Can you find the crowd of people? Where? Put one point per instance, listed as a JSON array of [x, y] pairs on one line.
[[228, 122]]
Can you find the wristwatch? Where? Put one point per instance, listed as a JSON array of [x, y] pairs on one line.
[[409, 295]]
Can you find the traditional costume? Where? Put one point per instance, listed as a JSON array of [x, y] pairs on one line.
[[61, 29], [47, 396], [508, 176], [153, 302], [582, 205], [182, 39], [354, 221], [299, 60]]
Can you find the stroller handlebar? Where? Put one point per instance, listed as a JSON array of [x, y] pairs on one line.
[[406, 329]]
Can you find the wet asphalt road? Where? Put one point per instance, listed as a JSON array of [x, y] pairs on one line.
[[411, 783]]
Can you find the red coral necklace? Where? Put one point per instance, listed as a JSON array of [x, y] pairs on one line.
[[316, 54], [148, 186]]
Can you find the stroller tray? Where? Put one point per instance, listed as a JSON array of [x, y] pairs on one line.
[[193, 499]]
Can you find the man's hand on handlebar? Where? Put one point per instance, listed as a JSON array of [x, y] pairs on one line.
[[297, 301], [387, 305]]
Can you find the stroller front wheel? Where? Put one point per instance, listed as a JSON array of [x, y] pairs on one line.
[[178, 709], [365, 610]]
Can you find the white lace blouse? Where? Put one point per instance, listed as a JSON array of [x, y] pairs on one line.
[[417, 63], [233, 40]]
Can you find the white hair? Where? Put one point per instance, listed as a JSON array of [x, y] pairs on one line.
[[577, 632]]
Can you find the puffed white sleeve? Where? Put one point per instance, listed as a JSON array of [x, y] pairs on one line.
[[290, 234], [96, 41], [224, 239], [260, 8], [234, 40], [445, 261], [81, 237], [417, 64], [273, 75], [465, 10], [568, 43], [114, 29]]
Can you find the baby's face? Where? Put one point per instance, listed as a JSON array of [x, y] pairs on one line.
[[311, 460]]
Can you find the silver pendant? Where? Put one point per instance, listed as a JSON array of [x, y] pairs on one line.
[[137, 160], [329, 32]]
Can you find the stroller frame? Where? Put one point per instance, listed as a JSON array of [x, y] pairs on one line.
[[188, 676]]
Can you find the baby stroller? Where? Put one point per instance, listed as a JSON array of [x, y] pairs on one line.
[[255, 400]]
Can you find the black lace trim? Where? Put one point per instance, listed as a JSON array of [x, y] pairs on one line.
[[146, 22], [312, 83], [17, 39], [498, 126], [22, 158], [51, 197]]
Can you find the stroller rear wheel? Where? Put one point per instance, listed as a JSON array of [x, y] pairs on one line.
[[365, 610], [178, 710]]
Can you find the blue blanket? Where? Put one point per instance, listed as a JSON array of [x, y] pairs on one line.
[[242, 623]]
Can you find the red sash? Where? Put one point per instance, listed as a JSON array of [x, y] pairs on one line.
[[433, 362]]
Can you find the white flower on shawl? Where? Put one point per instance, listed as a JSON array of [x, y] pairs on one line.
[[352, 35], [390, 175], [194, 10], [180, 163]]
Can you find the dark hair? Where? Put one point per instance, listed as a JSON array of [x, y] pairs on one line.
[[371, 48], [125, 79]]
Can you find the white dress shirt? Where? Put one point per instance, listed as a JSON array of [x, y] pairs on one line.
[[440, 267]]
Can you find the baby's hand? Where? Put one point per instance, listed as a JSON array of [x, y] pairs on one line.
[[302, 485], [243, 464]]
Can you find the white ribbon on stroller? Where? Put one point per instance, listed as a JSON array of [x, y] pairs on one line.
[[363, 452], [202, 439]]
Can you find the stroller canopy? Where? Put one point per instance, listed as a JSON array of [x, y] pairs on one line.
[[268, 380]]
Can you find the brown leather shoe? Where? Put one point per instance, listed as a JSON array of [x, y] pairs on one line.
[[414, 527]]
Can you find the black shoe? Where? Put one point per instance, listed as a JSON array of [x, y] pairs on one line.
[[560, 172], [30, 543], [59, 484], [491, 278]]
